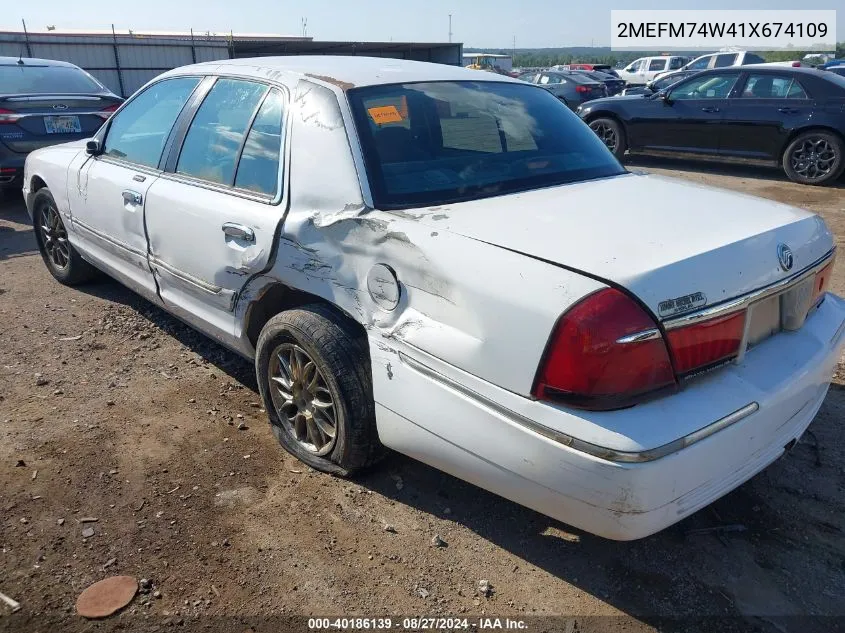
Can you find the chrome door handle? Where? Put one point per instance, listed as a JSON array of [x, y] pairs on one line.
[[239, 231], [133, 197], [710, 109], [788, 110]]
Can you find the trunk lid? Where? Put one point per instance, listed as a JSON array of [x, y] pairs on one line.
[[49, 119], [659, 238]]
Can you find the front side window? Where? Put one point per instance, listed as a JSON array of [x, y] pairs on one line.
[[439, 142], [701, 63], [258, 168], [139, 131], [706, 87], [62, 80], [675, 63], [723, 61], [657, 64], [210, 150]]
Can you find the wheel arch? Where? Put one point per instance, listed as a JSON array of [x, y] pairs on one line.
[[810, 128], [269, 297]]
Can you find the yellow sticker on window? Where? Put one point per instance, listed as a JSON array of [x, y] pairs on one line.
[[385, 114]]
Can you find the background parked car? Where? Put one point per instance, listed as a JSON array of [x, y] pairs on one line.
[[724, 59], [837, 70], [571, 87], [613, 84], [605, 68], [45, 102], [661, 83], [642, 70], [791, 116]]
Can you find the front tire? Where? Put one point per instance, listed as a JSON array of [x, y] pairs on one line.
[[814, 158], [612, 134], [59, 255], [315, 379]]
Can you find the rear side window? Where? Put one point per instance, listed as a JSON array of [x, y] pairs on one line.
[[751, 58], [675, 63], [139, 131], [772, 87], [211, 147], [701, 63], [657, 64], [258, 168], [27, 79], [723, 61]]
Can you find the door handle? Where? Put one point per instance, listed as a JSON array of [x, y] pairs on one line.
[[710, 109], [132, 197], [239, 231], [788, 110]]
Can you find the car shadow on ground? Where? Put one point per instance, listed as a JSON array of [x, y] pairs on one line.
[[634, 162]]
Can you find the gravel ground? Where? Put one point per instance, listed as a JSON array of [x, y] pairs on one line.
[[112, 410]]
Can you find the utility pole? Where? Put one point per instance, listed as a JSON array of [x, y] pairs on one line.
[[450, 27]]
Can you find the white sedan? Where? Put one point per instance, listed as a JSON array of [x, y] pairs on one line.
[[450, 264]]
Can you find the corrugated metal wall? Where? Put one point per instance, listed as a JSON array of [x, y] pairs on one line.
[[123, 64]]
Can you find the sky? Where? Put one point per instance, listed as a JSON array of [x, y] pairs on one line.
[[476, 23]]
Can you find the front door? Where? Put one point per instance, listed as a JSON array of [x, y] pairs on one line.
[[107, 193], [688, 119], [212, 216]]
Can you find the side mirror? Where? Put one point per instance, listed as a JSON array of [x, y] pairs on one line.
[[93, 148], [663, 96]]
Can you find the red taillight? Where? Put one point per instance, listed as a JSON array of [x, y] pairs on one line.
[[586, 365], [796, 64], [581, 89], [105, 113], [8, 116], [706, 343], [822, 281]]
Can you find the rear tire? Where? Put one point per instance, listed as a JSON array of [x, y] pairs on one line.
[[314, 375], [612, 134], [814, 158], [59, 255]]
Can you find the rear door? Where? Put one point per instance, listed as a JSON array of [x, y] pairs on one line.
[[212, 216], [656, 65], [759, 119], [107, 193]]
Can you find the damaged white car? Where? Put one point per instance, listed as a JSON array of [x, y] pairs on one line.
[[449, 263]]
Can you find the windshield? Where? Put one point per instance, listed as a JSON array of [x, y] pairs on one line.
[[434, 143], [27, 80]]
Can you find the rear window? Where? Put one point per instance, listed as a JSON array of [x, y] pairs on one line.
[[433, 143], [27, 79]]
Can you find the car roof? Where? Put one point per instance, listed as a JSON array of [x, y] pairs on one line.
[[345, 72], [33, 61], [761, 68]]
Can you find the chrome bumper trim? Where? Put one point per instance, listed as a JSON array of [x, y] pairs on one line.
[[740, 303], [574, 443]]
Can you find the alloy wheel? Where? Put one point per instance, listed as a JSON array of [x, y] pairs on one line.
[[54, 236], [302, 398], [814, 158], [606, 133]]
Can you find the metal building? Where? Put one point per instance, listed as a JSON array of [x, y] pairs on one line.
[[126, 60]]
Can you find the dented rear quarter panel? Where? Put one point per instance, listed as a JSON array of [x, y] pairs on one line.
[[480, 308]]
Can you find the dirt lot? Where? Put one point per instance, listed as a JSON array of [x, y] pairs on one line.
[[113, 410]]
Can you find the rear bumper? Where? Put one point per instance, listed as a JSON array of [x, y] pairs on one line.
[[781, 383]]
